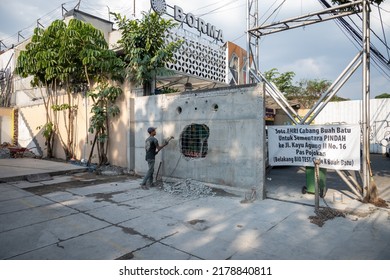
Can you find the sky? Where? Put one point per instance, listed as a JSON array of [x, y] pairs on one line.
[[320, 51]]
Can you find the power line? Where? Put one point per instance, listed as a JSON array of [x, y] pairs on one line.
[[219, 8], [383, 30], [378, 59], [277, 10]]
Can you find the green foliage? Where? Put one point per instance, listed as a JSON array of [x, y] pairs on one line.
[[165, 90], [72, 57], [383, 95], [48, 130], [103, 108], [145, 45], [310, 91], [284, 81], [307, 92], [63, 107]]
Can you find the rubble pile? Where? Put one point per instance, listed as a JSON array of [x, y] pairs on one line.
[[8, 150], [188, 188], [4, 151], [325, 214]]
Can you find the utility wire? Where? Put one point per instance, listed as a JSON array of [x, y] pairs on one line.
[[277, 10], [384, 34], [378, 58], [217, 9]]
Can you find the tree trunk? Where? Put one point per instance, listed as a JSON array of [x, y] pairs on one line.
[[91, 153]]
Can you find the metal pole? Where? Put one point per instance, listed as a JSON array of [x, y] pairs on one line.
[[352, 187], [366, 95], [248, 38], [319, 105], [316, 185]]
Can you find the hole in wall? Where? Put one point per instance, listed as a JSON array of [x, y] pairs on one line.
[[179, 110], [194, 140], [215, 107]]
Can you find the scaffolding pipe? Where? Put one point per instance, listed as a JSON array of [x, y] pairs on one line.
[[316, 185], [274, 93], [278, 94], [357, 185], [318, 110], [345, 179], [315, 107], [366, 95], [300, 21]]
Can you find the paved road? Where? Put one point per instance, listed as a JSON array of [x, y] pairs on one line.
[[74, 216]]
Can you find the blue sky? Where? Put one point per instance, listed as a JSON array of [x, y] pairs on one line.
[[320, 51]]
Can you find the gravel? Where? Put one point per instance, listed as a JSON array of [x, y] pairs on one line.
[[189, 189]]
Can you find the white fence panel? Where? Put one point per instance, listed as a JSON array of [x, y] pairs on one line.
[[350, 112]]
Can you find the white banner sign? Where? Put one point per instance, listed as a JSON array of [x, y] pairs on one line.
[[336, 146]]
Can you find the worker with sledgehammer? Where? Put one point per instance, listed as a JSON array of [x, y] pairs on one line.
[[152, 148]]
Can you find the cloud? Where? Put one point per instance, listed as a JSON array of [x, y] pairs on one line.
[[308, 68], [319, 51]]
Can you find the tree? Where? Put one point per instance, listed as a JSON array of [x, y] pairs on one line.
[[103, 109], [284, 81], [308, 92], [383, 95], [40, 60], [72, 58], [311, 91], [146, 47]]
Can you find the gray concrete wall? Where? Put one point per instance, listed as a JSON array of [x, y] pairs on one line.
[[235, 118]]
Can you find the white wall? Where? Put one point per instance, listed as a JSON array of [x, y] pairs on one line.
[[349, 112], [234, 116]]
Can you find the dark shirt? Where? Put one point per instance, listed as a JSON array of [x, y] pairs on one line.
[[151, 144]]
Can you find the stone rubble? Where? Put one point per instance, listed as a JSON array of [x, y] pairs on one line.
[[188, 188], [4, 153]]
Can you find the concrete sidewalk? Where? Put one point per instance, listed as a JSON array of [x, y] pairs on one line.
[[118, 220], [15, 169]]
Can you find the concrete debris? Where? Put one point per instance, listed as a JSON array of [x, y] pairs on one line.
[[325, 214], [110, 170], [4, 153], [189, 189], [8, 150]]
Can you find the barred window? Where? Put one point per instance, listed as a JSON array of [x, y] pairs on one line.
[[194, 140]]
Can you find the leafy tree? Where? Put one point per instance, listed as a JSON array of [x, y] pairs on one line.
[[383, 95], [39, 59], [146, 47], [307, 92], [70, 57], [103, 108], [311, 91], [284, 81]]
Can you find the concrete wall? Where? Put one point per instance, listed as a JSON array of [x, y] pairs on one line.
[[33, 116], [6, 125], [235, 118]]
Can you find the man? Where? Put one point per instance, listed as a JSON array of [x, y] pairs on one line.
[[152, 148]]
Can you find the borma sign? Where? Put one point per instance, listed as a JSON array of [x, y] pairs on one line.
[[160, 7]]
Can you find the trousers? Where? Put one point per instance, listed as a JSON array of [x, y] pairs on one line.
[[149, 174]]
